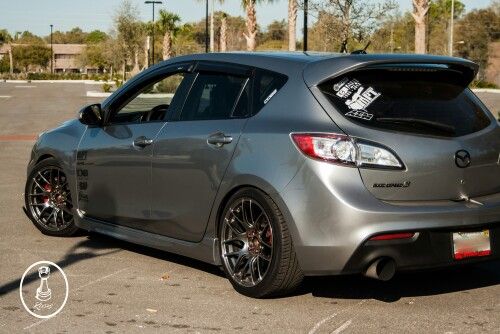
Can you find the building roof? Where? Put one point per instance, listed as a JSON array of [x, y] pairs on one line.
[[68, 48], [74, 49]]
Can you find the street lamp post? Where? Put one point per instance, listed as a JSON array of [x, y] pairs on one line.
[[153, 2], [51, 51], [305, 26]]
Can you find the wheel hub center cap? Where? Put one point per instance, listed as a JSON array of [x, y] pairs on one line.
[[253, 242]]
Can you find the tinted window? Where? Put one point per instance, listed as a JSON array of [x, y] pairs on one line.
[[266, 85], [213, 96], [427, 102], [151, 102]]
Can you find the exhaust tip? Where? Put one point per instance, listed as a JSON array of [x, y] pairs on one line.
[[382, 269]]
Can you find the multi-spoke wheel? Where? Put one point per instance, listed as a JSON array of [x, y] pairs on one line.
[[48, 199], [256, 249], [247, 242]]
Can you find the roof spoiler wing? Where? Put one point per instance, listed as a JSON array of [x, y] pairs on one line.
[[319, 71]]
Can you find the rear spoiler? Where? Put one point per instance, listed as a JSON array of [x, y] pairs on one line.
[[319, 71]]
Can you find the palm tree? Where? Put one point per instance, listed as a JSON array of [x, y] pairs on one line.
[[168, 26], [292, 23], [420, 9], [251, 23], [212, 40], [223, 33]]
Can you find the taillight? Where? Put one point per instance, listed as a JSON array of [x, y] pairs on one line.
[[345, 150], [392, 236]]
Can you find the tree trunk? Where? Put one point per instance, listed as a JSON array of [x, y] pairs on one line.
[[420, 9], [212, 42], [11, 62], [223, 34], [136, 68], [251, 25], [167, 45], [146, 52], [292, 23]]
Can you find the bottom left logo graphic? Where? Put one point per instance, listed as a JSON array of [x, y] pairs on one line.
[[44, 289]]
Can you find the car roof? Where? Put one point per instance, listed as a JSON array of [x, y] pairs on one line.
[[316, 67]]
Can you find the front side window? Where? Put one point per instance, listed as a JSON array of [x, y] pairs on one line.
[[214, 96], [151, 103], [424, 102]]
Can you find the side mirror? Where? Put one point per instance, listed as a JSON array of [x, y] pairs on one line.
[[91, 115]]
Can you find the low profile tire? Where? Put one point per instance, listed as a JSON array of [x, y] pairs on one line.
[[256, 248], [48, 199]]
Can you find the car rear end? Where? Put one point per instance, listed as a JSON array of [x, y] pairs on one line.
[[411, 180]]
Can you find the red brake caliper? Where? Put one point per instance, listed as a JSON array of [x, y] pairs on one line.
[[269, 236], [48, 188]]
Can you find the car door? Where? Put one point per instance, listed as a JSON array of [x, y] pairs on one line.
[[114, 161], [193, 150]]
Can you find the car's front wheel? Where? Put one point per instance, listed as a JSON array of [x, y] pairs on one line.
[[256, 247], [48, 199]]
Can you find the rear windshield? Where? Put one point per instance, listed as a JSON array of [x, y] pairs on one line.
[[425, 102]]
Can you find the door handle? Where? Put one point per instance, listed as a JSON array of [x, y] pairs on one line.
[[219, 139], [142, 142]]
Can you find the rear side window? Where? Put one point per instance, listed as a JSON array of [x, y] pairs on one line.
[[265, 85], [425, 102], [213, 96]]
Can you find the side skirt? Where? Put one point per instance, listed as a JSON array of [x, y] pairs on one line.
[[204, 251]]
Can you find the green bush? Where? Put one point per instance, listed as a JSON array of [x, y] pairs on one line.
[[106, 87], [168, 85], [483, 84]]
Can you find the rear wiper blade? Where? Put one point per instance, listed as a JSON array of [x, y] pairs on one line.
[[430, 124]]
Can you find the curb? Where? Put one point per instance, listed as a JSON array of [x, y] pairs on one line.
[[486, 90], [87, 82]]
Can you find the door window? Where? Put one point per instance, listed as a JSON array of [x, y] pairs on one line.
[[215, 96], [151, 102]]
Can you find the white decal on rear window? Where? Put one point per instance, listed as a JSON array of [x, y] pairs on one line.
[[362, 98], [344, 89], [360, 114]]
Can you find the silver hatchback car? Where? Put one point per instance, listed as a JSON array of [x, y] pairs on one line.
[[276, 166]]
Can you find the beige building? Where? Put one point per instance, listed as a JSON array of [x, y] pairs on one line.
[[65, 57]]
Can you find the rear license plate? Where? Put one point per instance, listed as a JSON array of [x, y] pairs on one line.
[[471, 244]]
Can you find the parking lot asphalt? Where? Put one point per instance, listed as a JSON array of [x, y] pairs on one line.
[[117, 287]]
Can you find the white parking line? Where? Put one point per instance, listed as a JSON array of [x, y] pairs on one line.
[[5, 96], [342, 327], [25, 86], [331, 316], [79, 288], [100, 279]]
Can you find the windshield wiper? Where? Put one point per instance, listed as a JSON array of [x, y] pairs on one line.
[[422, 122]]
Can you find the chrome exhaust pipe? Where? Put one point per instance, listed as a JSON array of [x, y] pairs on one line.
[[382, 269]]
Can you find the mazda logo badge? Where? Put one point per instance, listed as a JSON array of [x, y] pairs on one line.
[[462, 159]]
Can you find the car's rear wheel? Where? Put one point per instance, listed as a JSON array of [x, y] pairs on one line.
[[256, 247], [48, 199]]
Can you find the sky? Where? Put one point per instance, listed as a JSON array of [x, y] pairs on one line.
[[37, 15]]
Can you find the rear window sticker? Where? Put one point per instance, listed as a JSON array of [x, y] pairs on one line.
[[362, 114], [362, 98], [270, 96], [344, 88], [339, 84]]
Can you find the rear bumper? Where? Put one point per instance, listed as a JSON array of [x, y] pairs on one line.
[[331, 216], [431, 248]]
